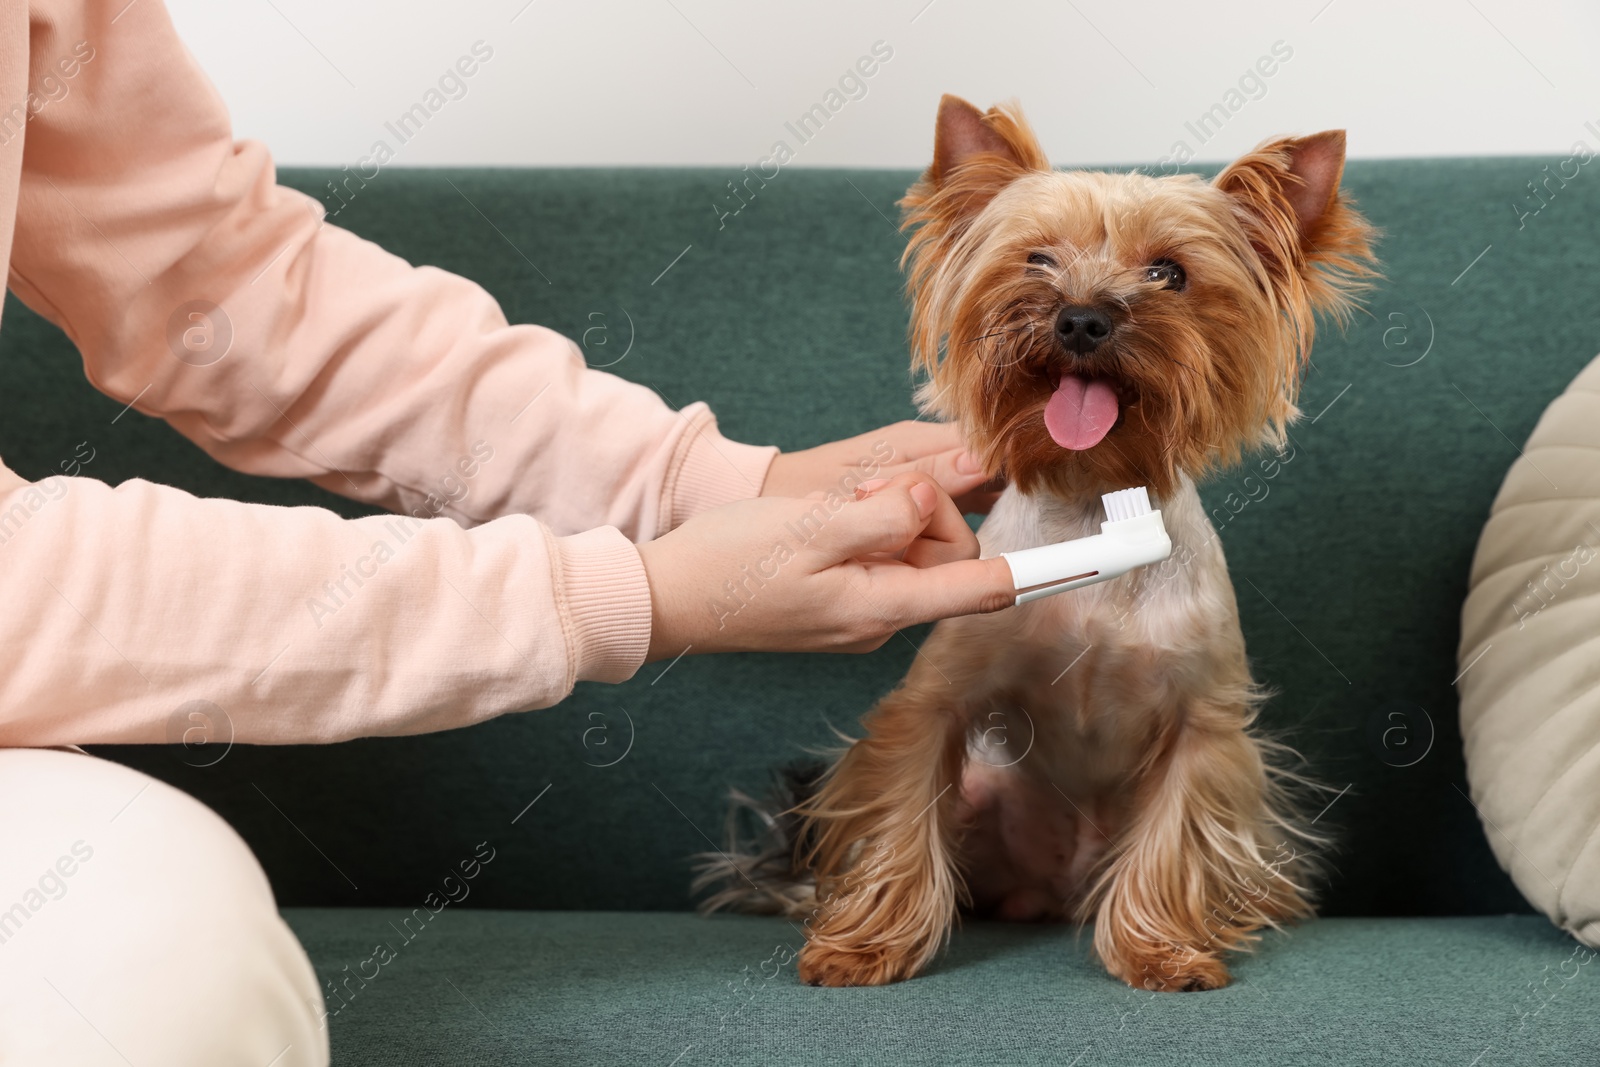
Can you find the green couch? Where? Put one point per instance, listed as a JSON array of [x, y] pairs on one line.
[[576, 943]]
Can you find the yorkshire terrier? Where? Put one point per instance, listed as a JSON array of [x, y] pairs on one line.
[[1091, 755]]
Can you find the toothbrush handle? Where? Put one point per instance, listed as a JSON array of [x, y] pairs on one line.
[[1087, 560], [1053, 563], [1052, 590]]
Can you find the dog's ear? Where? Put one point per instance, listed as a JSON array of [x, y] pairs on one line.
[[975, 155], [1292, 182], [1317, 162], [999, 140], [1316, 247]]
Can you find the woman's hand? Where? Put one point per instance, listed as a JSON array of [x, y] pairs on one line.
[[829, 573], [933, 448]]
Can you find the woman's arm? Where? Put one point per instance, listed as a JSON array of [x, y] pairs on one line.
[[124, 606], [375, 379]]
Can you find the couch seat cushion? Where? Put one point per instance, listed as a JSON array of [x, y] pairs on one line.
[[479, 988]]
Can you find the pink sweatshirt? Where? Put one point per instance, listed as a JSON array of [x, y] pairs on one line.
[[124, 198]]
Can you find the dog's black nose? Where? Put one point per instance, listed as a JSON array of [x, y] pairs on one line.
[[1082, 329]]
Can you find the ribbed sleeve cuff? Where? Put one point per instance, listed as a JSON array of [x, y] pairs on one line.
[[710, 470], [605, 601]]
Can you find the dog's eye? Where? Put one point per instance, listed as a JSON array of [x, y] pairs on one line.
[[1168, 274], [1039, 259]]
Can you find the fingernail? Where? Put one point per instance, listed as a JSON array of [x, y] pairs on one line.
[[967, 463], [925, 497], [872, 486]]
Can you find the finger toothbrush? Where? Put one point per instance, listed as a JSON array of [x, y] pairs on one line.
[[1133, 535]]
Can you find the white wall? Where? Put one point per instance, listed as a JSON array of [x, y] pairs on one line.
[[574, 82]]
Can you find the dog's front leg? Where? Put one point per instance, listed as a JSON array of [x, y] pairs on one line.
[[883, 827], [1210, 855]]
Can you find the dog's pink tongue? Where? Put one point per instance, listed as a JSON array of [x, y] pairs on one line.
[[1081, 412]]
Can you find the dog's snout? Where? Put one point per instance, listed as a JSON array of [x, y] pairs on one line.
[[1081, 328]]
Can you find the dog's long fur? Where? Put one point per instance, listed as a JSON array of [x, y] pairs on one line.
[[1146, 799]]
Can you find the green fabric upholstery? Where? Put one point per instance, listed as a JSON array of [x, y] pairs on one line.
[[483, 987], [1351, 565]]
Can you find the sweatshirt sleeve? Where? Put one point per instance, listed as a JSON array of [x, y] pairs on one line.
[[128, 605], [200, 291]]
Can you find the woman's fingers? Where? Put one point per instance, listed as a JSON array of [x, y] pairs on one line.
[[936, 448], [885, 518], [933, 448], [947, 537], [938, 534], [956, 469], [913, 439]]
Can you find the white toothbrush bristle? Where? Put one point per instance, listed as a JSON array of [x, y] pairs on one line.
[[1126, 504]]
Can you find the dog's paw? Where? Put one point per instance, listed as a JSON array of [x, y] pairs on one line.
[[1176, 971], [820, 965]]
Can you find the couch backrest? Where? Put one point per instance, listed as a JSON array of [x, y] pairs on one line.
[[787, 316]]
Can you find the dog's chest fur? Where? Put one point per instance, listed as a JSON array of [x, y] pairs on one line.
[[1064, 693]]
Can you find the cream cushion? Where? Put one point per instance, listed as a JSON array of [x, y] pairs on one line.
[[1530, 656]]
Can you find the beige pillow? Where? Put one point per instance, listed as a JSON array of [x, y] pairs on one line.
[[1530, 657]]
